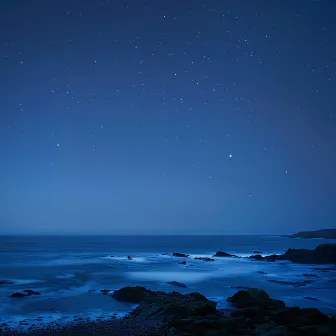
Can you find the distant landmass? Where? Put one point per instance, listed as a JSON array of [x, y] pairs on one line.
[[325, 233]]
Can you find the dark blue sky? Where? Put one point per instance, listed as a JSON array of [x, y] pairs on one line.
[[167, 117]]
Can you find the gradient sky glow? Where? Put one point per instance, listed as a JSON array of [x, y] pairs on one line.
[[167, 117]]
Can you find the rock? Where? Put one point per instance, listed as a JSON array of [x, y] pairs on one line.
[[261, 272], [129, 258], [256, 257], [278, 331], [254, 297], [18, 295], [168, 307], [248, 312], [312, 316], [180, 255], [239, 287], [31, 292], [204, 258], [131, 294], [313, 331], [324, 233], [272, 257], [183, 263], [6, 282], [257, 252], [322, 254], [285, 316], [223, 254], [111, 256], [177, 284], [291, 283]]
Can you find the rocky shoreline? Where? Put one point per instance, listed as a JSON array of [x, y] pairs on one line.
[[252, 311], [159, 313]]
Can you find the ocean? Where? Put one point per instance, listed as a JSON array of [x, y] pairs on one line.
[[70, 272]]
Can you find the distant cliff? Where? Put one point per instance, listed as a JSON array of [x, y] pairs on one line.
[[325, 233]]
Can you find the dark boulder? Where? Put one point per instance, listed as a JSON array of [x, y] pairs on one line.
[[312, 316], [183, 263], [168, 307], [204, 258], [254, 297], [285, 316], [129, 258], [131, 294], [18, 295], [180, 255], [223, 254], [256, 257], [177, 284]]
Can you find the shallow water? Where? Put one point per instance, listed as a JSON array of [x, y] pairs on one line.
[[69, 272]]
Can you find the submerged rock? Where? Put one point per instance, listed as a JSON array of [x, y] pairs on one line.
[[204, 258], [177, 284], [129, 258], [292, 283], [6, 282], [181, 255], [18, 295], [183, 263], [223, 254]]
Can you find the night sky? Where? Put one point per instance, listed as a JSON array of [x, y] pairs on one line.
[[167, 117]]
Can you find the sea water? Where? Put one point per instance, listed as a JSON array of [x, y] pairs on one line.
[[70, 271]]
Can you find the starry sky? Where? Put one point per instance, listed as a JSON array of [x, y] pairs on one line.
[[167, 117]]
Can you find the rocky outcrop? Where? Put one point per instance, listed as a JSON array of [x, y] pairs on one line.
[[255, 313], [177, 284], [18, 295], [223, 254], [324, 233], [254, 297], [131, 294], [26, 292], [322, 254], [180, 255]]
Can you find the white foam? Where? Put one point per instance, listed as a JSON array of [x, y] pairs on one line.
[[188, 277]]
